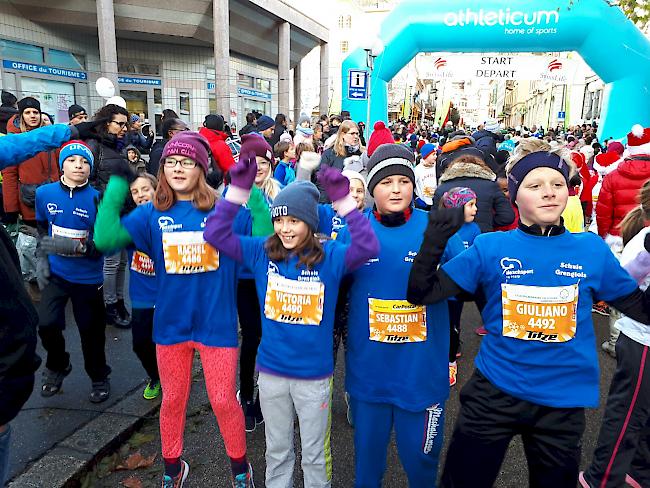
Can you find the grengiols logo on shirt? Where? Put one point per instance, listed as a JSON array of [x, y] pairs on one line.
[[410, 256], [512, 268], [272, 268], [167, 224], [53, 209]]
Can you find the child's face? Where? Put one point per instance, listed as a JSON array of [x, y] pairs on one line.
[[142, 191], [290, 153], [430, 160], [181, 179], [263, 169], [291, 231], [358, 192], [131, 154], [470, 210], [503, 185], [542, 197], [393, 194], [76, 169]]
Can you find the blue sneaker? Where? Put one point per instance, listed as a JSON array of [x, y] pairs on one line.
[[178, 480], [244, 480]]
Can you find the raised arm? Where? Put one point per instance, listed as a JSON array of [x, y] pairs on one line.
[[110, 234], [364, 243]]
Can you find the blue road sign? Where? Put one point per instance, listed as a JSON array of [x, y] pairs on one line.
[[357, 84]]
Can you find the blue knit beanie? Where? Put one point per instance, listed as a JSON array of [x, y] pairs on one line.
[[76, 148], [300, 200]]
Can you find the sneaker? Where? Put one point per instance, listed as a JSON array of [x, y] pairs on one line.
[[101, 391], [632, 482], [581, 480], [257, 410], [52, 381], [609, 348], [249, 415], [244, 480], [113, 317], [152, 390], [600, 308], [178, 480], [348, 412], [482, 331], [453, 372], [122, 311], [459, 353]]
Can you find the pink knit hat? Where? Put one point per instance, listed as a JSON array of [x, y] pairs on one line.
[[189, 144]]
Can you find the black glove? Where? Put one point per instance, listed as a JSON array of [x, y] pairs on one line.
[[444, 222], [10, 218], [646, 242], [85, 130], [63, 246]]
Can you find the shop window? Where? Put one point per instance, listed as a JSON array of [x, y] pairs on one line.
[[245, 80], [213, 105], [65, 59], [132, 67], [263, 85], [344, 46], [20, 51], [184, 102], [55, 96]]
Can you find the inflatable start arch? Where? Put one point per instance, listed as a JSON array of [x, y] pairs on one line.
[[607, 40]]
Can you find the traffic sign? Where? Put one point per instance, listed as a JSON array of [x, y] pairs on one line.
[[561, 115], [357, 84]]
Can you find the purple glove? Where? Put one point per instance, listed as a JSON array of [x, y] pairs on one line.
[[335, 184], [242, 175]]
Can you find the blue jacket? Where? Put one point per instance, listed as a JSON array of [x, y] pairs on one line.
[[16, 148]]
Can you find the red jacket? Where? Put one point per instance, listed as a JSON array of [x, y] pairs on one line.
[[221, 152], [36, 170], [620, 193]]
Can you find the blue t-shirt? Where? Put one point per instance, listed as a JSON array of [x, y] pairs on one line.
[[284, 173], [297, 310], [524, 358], [411, 375], [142, 280], [460, 241], [329, 222], [70, 214], [196, 285]]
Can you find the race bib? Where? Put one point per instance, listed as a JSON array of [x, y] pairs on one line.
[[188, 253], [396, 321], [294, 302], [429, 191], [77, 234], [143, 264], [537, 313]]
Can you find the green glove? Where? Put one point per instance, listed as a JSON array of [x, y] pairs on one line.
[[110, 234], [260, 212]]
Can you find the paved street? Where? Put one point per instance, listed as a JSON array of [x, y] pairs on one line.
[[209, 467]]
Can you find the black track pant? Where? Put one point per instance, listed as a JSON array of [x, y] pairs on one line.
[[490, 418], [624, 440], [143, 345], [89, 314], [455, 312], [250, 324]]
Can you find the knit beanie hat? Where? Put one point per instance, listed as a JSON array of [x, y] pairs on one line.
[[427, 149], [28, 102], [264, 122], [76, 148], [355, 175], [190, 144], [134, 118], [492, 125], [380, 135], [539, 159], [616, 147], [254, 143], [300, 200], [285, 137], [304, 118], [74, 110], [388, 160], [458, 197], [214, 122]]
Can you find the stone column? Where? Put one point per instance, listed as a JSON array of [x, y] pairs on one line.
[[323, 105], [284, 53], [107, 42], [221, 33], [297, 93]]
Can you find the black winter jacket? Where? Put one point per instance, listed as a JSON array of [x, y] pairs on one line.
[[494, 209], [18, 321], [108, 161], [5, 114]]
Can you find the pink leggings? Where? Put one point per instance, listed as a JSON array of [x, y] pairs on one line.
[[219, 368]]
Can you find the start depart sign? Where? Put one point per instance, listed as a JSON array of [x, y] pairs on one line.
[[494, 66]]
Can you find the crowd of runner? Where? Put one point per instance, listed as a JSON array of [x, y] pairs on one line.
[[266, 249]]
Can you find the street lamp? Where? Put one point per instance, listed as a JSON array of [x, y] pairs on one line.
[[373, 48]]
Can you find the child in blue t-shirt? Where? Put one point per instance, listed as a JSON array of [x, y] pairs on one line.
[[142, 290], [297, 278], [284, 152], [537, 369], [461, 240], [69, 267]]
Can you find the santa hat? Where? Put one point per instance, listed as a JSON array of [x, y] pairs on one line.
[[638, 140], [380, 135], [616, 147], [578, 158], [607, 159]]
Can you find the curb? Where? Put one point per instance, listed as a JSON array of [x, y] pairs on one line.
[[67, 461]]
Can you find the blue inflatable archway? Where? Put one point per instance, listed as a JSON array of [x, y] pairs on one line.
[[608, 41]]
